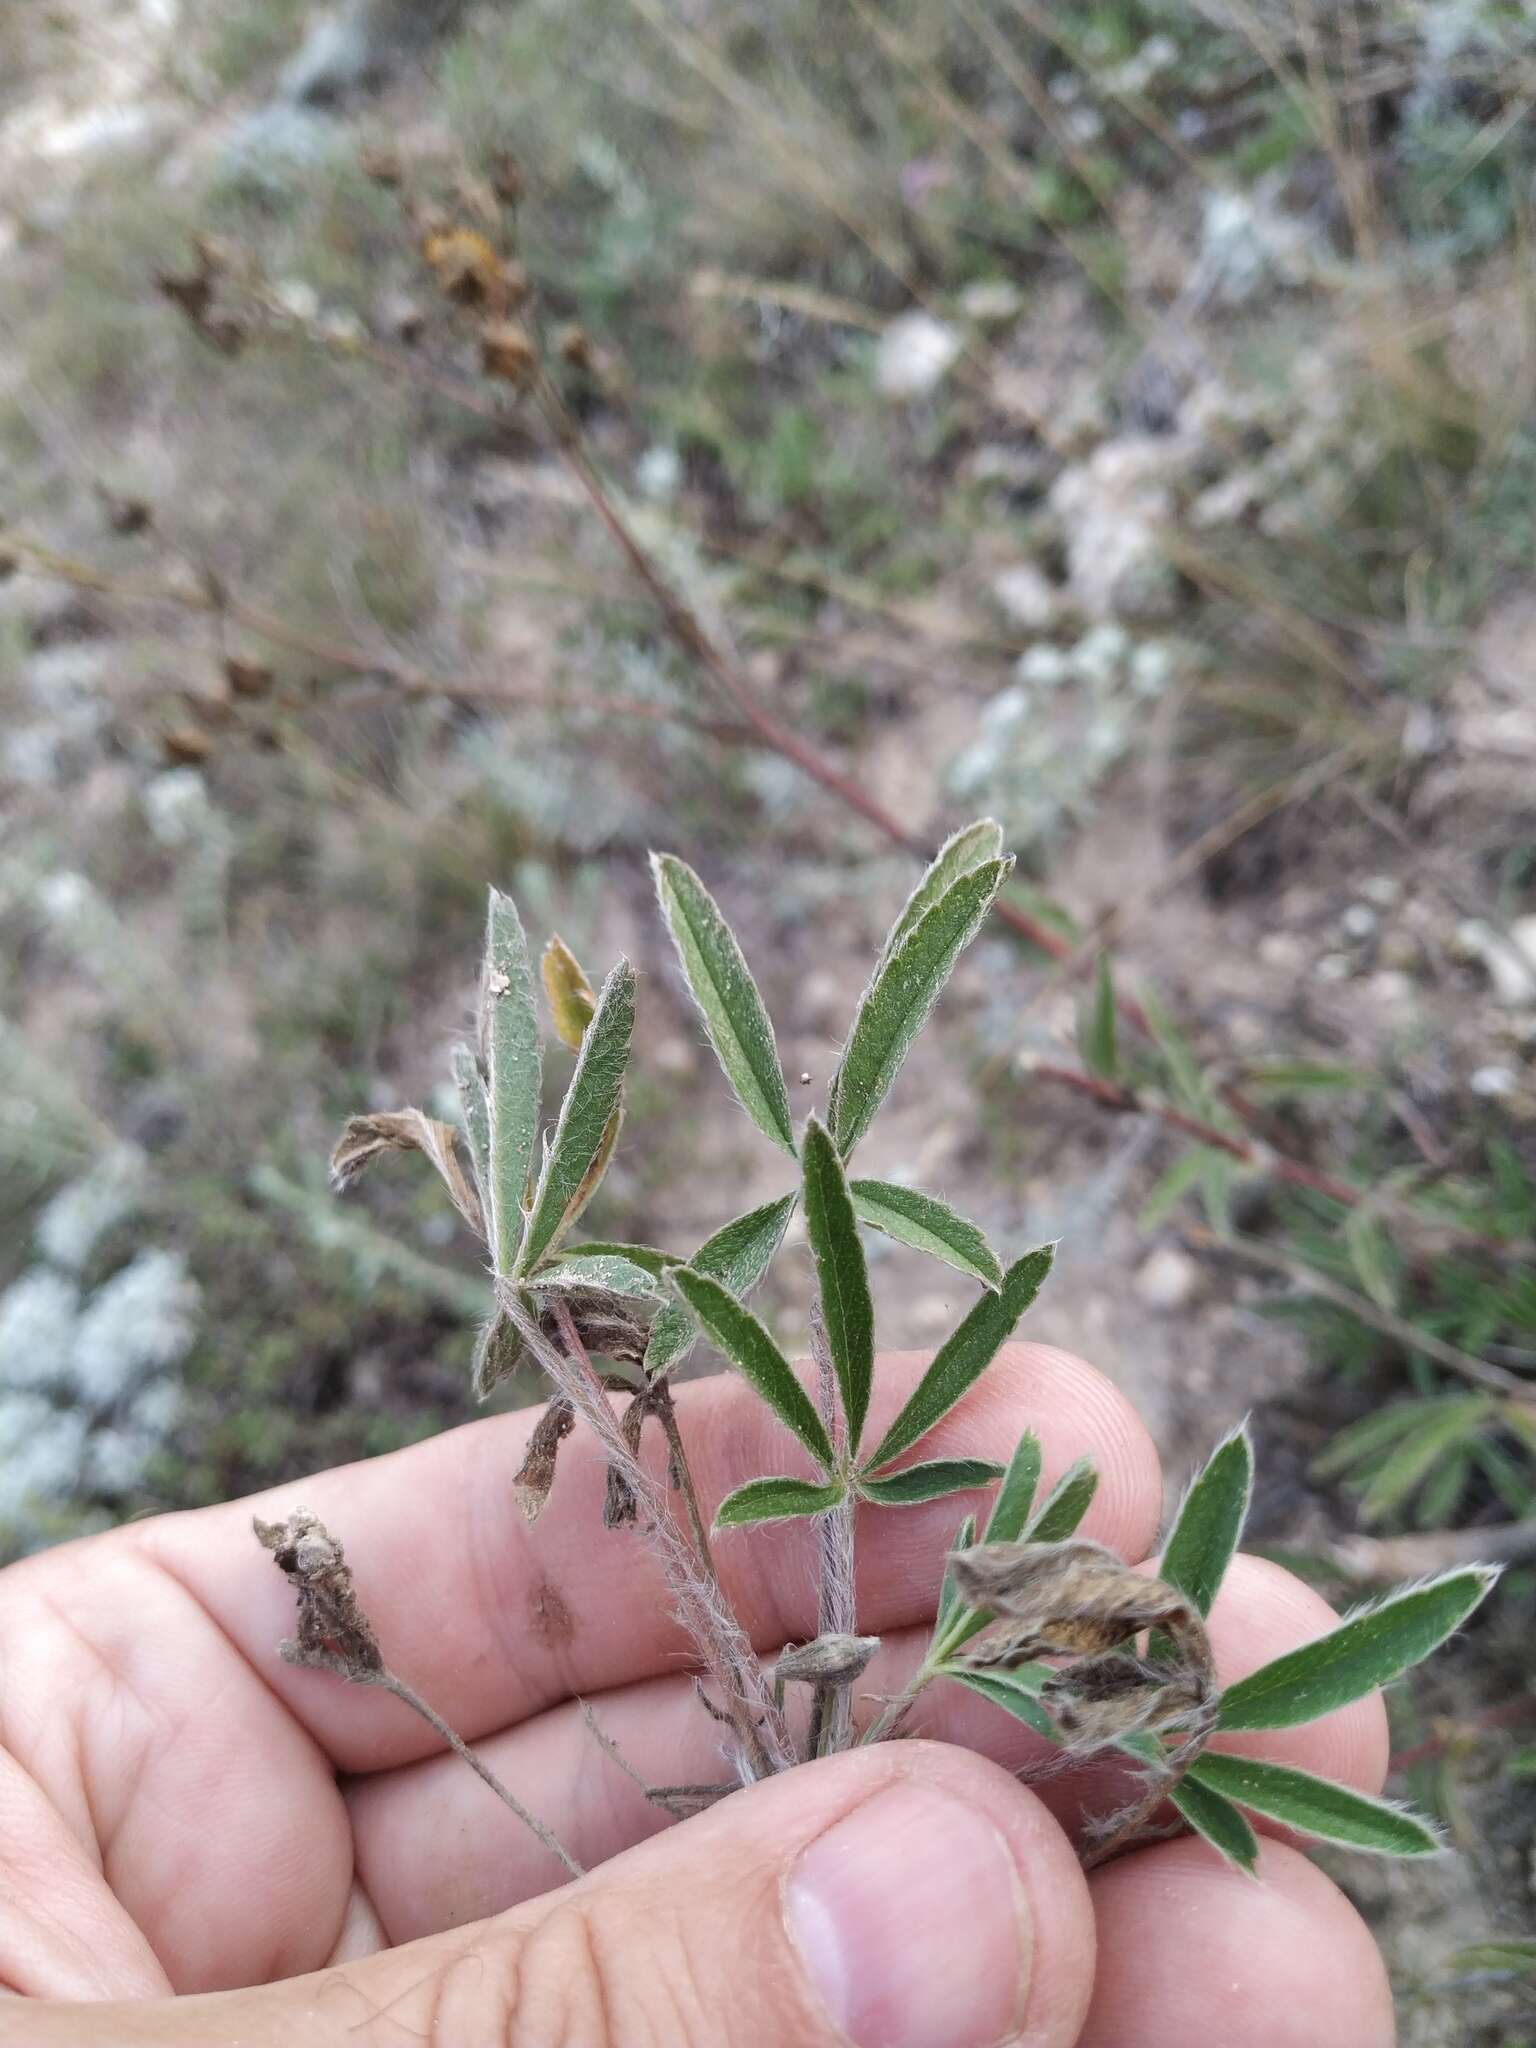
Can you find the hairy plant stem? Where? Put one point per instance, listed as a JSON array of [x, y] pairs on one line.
[[390, 1682], [832, 1707], [895, 1711], [747, 1704]]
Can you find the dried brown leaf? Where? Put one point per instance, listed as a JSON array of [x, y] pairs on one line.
[[334, 1633], [536, 1474], [571, 997], [406, 1130]]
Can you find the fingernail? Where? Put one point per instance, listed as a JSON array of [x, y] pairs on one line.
[[911, 1921]]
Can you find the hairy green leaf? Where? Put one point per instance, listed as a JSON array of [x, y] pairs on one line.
[[776, 1500], [584, 1135], [928, 1225], [739, 1254], [1315, 1806], [1218, 1820], [1014, 1691], [645, 1255], [748, 1346], [1100, 1052], [1369, 1649], [949, 1606], [498, 1353], [475, 1113], [613, 1275], [927, 1482], [1016, 1495], [1065, 1505], [965, 1355], [1209, 1524], [721, 984], [961, 853], [904, 988], [847, 1313], [513, 1063]]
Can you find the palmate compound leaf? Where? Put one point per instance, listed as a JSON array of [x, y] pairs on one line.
[[1209, 1524], [583, 1136], [748, 1346], [738, 1255], [902, 991], [1315, 1806], [511, 1057], [842, 1280], [721, 984], [965, 1355], [1218, 1820], [776, 1500], [1367, 1649], [928, 1225], [928, 1482]]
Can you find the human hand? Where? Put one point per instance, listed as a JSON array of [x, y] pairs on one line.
[[227, 1850]]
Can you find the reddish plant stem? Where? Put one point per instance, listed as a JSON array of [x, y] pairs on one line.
[[1126, 1101]]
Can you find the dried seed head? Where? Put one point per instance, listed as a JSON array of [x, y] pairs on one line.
[[1066, 1599], [536, 1475], [1100, 1699], [467, 269], [334, 1633], [829, 1660], [507, 352]]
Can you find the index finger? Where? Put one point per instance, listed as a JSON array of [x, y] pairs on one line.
[[494, 1620]]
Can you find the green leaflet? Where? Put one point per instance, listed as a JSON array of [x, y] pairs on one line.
[[755, 1356], [1014, 1691], [776, 1500], [965, 1355], [1016, 1495], [585, 1131], [928, 1482], [905, 986], [1367, 1650], [646, 1256], [960, 854], [739, 1254], [847, 1313], [928, 1225], [603, 1270], [1218, 1820], [1315, 1806], [1415, 1455], [721, 984], [475, 1113], [949, 1594], [1065, 1505], [1100, 1053], [513, 1063], [1209, 1524]]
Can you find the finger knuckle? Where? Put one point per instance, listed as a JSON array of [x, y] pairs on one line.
[[598, 1978]]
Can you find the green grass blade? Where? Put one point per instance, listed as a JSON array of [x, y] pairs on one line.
[[1209, 1524], [1316, 1806], [748, 1346], [775, 1500], [1016, 1495], [965, 1355], [1366, 1650], [1100, 1052], [930, 1481], [586, 1115], [512, 1058], [721, 984], [960, 854], [1218, 1820], [738, 1254], [903, 990], [928, 1225], [847, 1313]]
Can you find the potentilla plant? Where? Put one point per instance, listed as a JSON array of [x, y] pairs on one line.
[[1090, 1654]]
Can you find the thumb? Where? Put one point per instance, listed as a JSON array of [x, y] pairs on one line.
[[904, 1896]]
